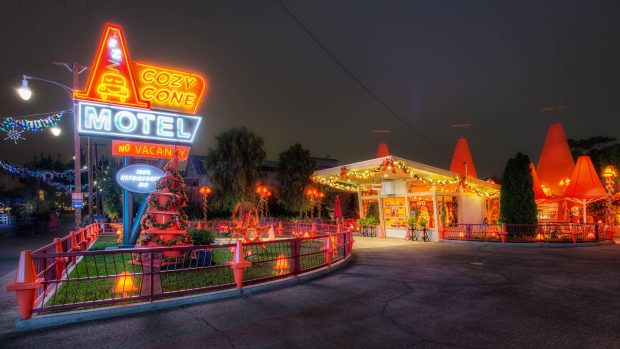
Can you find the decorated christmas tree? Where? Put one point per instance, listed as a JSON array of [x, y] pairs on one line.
[[165, 222]]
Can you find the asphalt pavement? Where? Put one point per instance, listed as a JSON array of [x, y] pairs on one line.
[[395, 294]]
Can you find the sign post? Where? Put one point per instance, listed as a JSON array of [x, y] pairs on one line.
[[135, 103]]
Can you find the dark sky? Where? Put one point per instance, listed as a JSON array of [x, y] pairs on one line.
[[493, 64]]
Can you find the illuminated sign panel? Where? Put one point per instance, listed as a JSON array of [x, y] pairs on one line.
[[166, 88], [139, 178], [107, 120], [111, 77], [149, 150]]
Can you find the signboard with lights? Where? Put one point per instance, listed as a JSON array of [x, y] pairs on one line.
[[121, 96], [110, 120], [149, 150], [139, 178]]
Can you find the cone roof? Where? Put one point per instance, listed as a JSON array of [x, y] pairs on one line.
[[382, 150], [556, 161], [461, 156], [539, 194], [585, 183]]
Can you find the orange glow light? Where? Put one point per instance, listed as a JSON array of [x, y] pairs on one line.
[[167, 88], [205, 190], [124, 284], [148, 150], [281, 263], [111, 77], [609, 172]]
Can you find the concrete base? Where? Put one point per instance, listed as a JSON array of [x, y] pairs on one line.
[[81, 316]]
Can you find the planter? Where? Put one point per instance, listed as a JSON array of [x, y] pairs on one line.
[[203, 258]]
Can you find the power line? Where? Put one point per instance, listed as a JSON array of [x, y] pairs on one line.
[[359, 82]]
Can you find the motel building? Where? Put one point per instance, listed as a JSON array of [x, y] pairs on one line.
[[402, 188]]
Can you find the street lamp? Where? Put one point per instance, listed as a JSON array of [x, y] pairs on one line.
[[25, 93], [204, 191], [609, 173], [55, 131]]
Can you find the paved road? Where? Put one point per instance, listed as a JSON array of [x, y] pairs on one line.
[[396, 294]]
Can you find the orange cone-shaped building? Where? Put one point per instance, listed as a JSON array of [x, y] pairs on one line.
[[556, 161], [462, 156], [584, 183], [382, 150], [539, 194]]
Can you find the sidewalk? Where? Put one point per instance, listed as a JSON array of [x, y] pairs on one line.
[[13, 239]]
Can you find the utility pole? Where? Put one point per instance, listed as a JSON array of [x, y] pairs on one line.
[[89, 160]]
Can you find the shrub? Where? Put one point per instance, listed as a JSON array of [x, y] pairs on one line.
[[202, 236]]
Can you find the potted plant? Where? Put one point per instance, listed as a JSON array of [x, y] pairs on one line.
[[202, 237], [411, 223], [423, 222]]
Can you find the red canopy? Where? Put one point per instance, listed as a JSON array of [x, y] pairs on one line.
[[461, 156], [556, 161], [337, 209], [539, 194], [585, 183]]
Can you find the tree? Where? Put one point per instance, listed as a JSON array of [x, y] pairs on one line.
[[235, 166], [295, 167], [110, 191], [517, 203], [602, 150]]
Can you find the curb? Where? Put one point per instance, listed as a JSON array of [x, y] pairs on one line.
[[81, 316], [531, 244]]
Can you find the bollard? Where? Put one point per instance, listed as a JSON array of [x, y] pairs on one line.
[[503, 233], [26, 284], [239, 264], [272, 235], [313, 229], [329, 251]]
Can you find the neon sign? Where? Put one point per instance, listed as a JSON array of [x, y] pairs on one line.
[[120, 96], [166, 88], [111, 77], [148, 150], [139, 178], [111, 120]]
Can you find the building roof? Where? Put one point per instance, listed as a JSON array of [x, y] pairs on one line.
[[382, 150], [584, 182], [462, 156], [556, 161], [392, 167], [539, 193]]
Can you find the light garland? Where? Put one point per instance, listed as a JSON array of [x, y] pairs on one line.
[[31, 125], [335, 181], [45, 175]]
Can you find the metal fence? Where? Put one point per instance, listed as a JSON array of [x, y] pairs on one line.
[[75, 278], [542, 232]]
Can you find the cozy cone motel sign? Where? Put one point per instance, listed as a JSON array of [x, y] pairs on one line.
[[131, 100]]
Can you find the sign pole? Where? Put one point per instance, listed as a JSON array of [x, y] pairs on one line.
[[127, 203], [76, 149]]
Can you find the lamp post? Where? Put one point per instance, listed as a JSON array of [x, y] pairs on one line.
[[204, 192], [263, 193], [25, 93], [315, 197], [610, 174]]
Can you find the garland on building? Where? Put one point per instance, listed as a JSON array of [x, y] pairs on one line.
[[394, 167], [45, 175]]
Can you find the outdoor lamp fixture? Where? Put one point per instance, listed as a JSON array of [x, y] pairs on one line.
[[24, 91], [609, 172], [204, 191], [564, 182], [55, 131]]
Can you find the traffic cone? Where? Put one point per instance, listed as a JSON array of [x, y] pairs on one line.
[[59, 261], [74, 244], [280, 228], [281, 266], [272, 235], [313, 229], [26, 284], [239, 264], [380, 233]]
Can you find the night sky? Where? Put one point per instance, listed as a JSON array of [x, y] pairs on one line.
[[493, 64]]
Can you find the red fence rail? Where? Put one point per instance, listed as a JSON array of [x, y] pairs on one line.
[[543, 232], [69, 276]]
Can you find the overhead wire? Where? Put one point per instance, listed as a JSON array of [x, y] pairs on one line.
[[359, 81]]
